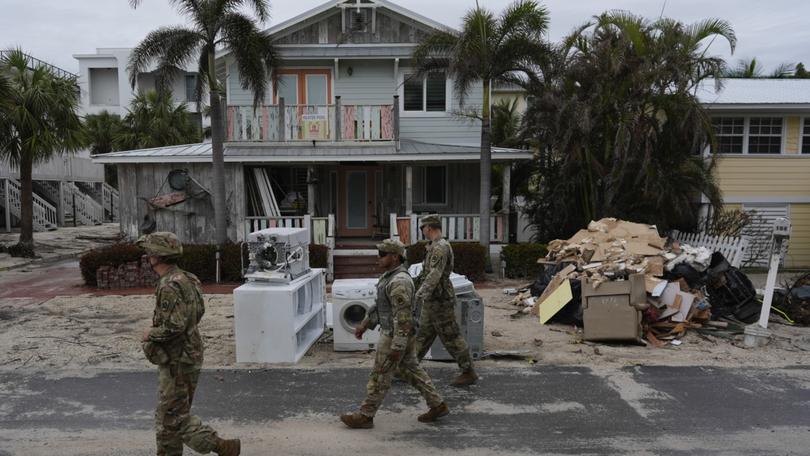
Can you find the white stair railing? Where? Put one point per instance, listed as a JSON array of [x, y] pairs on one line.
[[44, 215], [87, 210], [110, 198]]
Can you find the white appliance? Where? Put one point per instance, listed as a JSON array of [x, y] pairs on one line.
[[351, 299], [278, 323], [470, 319], [278, 254]]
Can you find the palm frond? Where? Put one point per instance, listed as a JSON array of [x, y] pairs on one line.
[[253, 51], [169, 46]]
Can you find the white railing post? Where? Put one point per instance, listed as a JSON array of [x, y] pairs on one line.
[[415, 231], [393, 230], [330, 243]]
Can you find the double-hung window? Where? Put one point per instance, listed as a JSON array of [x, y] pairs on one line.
[[806, 136], [427, 94], [729, 133], [765, 135]]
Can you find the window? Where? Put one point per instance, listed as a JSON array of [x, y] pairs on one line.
[[425, 95], [288, 89], [765, 135], [358, 19], [435, 182], [806, 136], [748, 135], [729, 133], [191, 87]]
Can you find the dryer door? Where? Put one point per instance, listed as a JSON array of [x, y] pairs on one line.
[[352, 314]]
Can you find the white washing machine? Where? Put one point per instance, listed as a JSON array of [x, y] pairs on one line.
[[351, 299]]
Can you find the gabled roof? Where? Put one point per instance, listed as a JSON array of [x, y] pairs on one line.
[[303, 153], [756, 93], [332, 4]]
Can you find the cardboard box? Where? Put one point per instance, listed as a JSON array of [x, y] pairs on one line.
[[609, 312]]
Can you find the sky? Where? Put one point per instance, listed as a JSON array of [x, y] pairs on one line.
[[773, 31]]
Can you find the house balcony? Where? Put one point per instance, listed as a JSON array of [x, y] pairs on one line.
[[310, 123]]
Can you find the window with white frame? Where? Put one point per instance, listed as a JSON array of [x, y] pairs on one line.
[[428, 94], [765, 135], [729, 134], [806, 136], [748, 135]]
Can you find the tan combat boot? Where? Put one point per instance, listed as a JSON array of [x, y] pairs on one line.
[[357, 420], [466, 378], [434, 413], [228, 447]]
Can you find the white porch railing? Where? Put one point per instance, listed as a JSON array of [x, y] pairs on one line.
[[733, 248], [44, 216], [110, 198], [456, 228], [87, 211]]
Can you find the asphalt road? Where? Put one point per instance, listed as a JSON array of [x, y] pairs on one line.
[[541, 410]]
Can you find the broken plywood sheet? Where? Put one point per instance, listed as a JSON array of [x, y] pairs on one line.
[[549, 307]]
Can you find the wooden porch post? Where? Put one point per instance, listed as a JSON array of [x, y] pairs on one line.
[[506, 199], [396, 121], [338, 118], [312, 191], [6, 205], [282, 128], [60, 205], [408, 190]]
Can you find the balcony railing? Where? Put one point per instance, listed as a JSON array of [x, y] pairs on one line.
[[335, 122], [456, 228]]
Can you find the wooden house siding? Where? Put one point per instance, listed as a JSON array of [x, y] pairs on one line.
[[328, 29]]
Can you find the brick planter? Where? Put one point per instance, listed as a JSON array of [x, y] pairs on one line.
[[135, 274]]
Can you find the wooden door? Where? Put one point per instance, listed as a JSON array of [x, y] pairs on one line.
[[357, 201]]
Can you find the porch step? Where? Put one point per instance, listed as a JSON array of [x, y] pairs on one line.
[[357, 266]]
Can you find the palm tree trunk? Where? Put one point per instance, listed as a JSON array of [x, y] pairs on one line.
[[26, 203], [486, 170], [218, 159]]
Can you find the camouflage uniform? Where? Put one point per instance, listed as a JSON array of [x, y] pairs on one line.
[[438, 305], [393, 312], [176, 347]]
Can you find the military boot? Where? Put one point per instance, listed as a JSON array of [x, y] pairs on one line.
[[357, 420], [228, 447], [434, 413], [466, 378]]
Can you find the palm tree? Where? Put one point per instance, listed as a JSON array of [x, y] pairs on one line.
[[102, 129], [620, 128], [489, 49], [752, 69], [38, 120], [213, 24], [154, 121]]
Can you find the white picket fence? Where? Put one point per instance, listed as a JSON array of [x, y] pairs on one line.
[[45, 216], [733, 248]]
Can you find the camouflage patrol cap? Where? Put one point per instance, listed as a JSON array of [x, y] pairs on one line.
[[392, 246], [430, 220], [162, 244]]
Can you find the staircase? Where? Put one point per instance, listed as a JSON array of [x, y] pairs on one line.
[[356, 266], [87, 210], [45, 217], [109, 199]]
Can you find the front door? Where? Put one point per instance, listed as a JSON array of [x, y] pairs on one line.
[[357, 200]]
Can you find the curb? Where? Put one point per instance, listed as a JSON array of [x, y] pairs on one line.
[[41, 261]]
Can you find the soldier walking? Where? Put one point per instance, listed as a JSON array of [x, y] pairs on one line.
[[437, 300], [174, 344], [396, 350]]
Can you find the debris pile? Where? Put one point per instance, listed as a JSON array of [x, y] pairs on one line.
[[621, 281]]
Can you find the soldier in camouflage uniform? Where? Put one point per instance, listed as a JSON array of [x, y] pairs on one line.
[[174, 344], [437, 302], [396, 350]]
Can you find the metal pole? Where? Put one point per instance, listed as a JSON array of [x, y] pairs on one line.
[[218, 261]]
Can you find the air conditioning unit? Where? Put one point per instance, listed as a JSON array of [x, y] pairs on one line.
[[278, 254], [470, 318], [278, 323]]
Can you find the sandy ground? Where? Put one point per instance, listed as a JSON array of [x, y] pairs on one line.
[[65, 242], [70, 334]]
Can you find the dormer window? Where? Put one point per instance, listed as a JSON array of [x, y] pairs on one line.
[[359, 19]]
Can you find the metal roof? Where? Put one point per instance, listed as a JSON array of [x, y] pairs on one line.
[[756, 92], [305, 153]]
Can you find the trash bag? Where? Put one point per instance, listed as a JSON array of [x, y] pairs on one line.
[[542, 281], [731, 293], [797, 302], [694, 278]]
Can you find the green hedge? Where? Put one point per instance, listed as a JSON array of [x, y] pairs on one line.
[[114, 255], [199, 259], [521, 259], [470, 258]]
